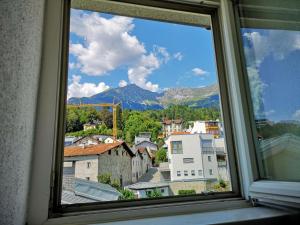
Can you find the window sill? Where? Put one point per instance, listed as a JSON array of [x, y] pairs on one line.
[[233, 211]]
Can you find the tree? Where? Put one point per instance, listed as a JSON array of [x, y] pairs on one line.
[[161, 156]]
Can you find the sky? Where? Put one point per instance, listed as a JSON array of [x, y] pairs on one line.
[[108, 51], [273, 59]]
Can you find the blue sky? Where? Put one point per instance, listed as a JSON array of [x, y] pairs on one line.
[[110, 51], [273, 59]]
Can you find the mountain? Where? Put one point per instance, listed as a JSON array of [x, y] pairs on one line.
[[131, 96], [134, 97]]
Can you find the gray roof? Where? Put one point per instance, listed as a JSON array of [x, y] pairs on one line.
[[146, 185], [86, 191], [69, 197]]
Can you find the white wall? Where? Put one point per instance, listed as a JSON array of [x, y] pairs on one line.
[[20, 46], [81, 170], [191, 149]]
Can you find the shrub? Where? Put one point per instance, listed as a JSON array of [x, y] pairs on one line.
[[127, 195], [154, 194], [104, 178], [186, 192], [222, 183], [116, 184]]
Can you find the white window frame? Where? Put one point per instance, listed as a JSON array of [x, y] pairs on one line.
[[39, 200]]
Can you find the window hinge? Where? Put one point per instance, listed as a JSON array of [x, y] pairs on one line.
[[254, 201]]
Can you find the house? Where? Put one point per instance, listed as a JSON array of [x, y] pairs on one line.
[[87, 140], [91, 161], [141, 163], [170, 126], [193, 157], [69, 140], [89, 126], [143, 189], [143, 136], [109, 140], [207, 127], [85, 191]]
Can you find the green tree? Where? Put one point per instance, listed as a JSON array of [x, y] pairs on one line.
[[104, 178], [161, 156]]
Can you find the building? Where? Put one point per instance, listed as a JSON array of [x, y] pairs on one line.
[[194, 157], [109, 140], [143, 189], [85, 191], [89, 126], [69, 140], [207, 127], [143, 136], [141, 163], [170, 126], [87, 140], [91, 161]]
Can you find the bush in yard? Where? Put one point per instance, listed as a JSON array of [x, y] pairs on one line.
[[127, 195], [104, 178], [186, 192]]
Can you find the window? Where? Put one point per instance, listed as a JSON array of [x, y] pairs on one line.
[[134, 97], [87, 178], [176, 147], [210, 172], [188, 160], [200, 173], [209, 158], [162, 190], [88, 165]]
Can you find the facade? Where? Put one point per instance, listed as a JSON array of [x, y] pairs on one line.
[[207, 127], [95, 160], [170, 126], [141, 162], [142, 189], [195, 157], [108, 140]]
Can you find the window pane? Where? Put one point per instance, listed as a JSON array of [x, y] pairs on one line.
[[143, 111], [272, 52]]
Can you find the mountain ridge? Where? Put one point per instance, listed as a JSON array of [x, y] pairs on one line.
[[137, 98]]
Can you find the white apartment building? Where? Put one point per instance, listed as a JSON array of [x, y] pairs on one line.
[[194, 157]]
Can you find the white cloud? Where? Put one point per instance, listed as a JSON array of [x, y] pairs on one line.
[[178, 56], [122, 83], [296, 115], [270, 112], [77, 89], [109, 44], [138, 73], [270, 43], [199, 72]]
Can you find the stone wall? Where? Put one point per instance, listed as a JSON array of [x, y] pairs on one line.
[[117, 165]]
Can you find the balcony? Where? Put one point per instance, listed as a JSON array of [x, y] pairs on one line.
[[222, 163]]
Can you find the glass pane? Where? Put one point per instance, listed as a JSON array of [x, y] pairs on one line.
[[272, 51], [143, 111]]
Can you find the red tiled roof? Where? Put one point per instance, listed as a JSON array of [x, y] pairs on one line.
[[93, 149]]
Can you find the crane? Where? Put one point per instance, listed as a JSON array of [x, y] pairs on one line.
[[114, 109]]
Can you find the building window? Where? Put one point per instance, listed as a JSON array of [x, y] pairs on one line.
[[200, 173], [176, 147], [209, 158], [162, 190], [210, 172], [109, 152], [188, 160], [87, 178], [178, 173], [117, 152], [193, 172], [88, 165], [186, 173]]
